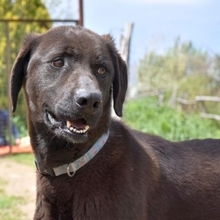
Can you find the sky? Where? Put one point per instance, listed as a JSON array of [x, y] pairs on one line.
[[157, 23]]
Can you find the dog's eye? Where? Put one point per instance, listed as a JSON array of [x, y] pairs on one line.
[[101, 71], [58, 63]]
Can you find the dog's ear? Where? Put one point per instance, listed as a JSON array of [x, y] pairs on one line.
[[119, 85], [19, 68], [120, 80]]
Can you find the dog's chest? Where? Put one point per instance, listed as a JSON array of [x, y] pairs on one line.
[[85, 198]]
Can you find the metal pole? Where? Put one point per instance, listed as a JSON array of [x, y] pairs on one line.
[[8, 69], [80, 13]]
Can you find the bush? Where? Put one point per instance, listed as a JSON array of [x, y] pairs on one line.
[[21, 125], [145, 115]]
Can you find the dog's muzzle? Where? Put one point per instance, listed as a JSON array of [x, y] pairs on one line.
[[72, 121], [77, 126]]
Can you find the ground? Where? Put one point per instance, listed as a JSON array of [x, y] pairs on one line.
[[21, 181]]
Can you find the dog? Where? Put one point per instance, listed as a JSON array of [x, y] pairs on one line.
[[90, 166]]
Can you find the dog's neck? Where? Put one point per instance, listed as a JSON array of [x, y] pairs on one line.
[[71, 168]]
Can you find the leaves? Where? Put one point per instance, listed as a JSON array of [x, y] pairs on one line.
[[181, 66], [18, 9]]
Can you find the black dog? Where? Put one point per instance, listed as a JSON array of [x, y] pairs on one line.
[[90, 166]]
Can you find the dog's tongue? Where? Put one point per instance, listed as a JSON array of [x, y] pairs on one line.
[[80, 123]]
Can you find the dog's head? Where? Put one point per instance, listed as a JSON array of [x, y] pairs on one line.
[[68, 74]]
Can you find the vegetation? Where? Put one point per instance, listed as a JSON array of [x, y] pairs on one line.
[[9, 205], [183, 68], [145, 115], [26, 159], [21, 125], [18, 9]]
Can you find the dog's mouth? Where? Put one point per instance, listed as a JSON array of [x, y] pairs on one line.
[[78, 126]]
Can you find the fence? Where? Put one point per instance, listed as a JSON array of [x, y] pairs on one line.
[[10, 45], [202, 102]]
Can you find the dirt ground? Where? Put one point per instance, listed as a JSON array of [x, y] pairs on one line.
[[21, 181]]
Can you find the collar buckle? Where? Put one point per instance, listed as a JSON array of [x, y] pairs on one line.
[[70, 173]]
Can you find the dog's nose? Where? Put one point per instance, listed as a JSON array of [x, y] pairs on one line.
[[89, 101]]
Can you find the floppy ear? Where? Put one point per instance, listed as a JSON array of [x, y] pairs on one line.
[[120, 80], [119, 85], [19, 69]]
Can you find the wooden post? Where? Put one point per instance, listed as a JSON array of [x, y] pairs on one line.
[[125, 42]]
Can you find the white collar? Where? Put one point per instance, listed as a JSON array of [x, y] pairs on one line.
[[71, 168]]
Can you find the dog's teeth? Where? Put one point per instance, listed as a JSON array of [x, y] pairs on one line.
[[75, 130], [68, 124], [86, 128]]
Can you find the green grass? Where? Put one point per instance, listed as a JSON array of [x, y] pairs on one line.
[[26, 159], [145, 115], [9, 205]]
